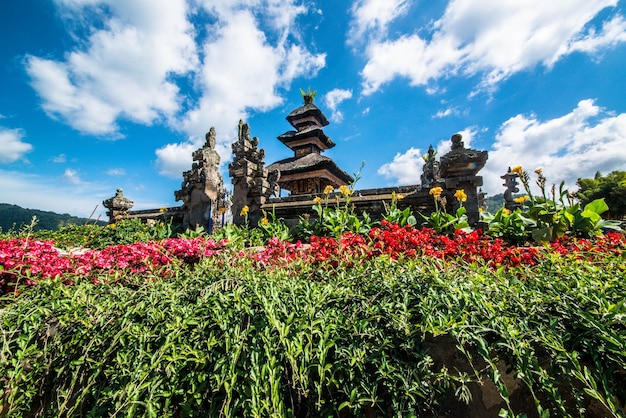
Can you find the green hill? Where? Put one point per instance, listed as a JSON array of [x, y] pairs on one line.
[[14, 217]]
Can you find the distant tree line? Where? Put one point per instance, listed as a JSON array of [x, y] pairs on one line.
[[13, 217]]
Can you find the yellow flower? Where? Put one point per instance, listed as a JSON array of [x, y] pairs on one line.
[[328, 189], [517, 169], [344, 190], [244, 211], [522, 199], [317, 200], [264, 221], [460, 195], [539, 171], [436, 192], [505, 211], [399, 196]]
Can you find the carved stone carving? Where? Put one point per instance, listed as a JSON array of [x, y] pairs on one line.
[[430, 172], [510, 182], [458, 168], [251, 186], [118, 206], [202, 186]]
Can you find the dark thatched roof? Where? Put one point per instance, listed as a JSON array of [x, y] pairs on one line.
[[309, 131], [307, 110], [310, 162]]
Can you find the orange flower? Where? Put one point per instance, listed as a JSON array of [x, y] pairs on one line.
[[517, 169], [436, 192], [460, 195]]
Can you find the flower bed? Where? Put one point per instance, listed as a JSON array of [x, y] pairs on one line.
[[28, 260]]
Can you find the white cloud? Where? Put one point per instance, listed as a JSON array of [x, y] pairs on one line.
[[47, 193], [442, 113], [124, 69], [575, 145], [333, 98], [11, 146], [173, 159], [406, 168], [61, 158], [242, 69], [374, 16], [116, 172], [71, 176], [494, 40]]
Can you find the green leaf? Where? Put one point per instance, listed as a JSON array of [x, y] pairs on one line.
[[598, 206]]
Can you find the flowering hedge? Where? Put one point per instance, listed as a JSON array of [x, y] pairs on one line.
[[30, 260]]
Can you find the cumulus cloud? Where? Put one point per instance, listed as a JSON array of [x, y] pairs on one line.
[[244, 64], [116, 172], [443, 113], [575, 145], [71, 176], [12, 148], [173, 159], [61, 158], [493, 40], [121, 71], [373, 16], [406, 168], [333, 98]]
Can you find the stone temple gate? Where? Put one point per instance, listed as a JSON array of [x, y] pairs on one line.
[[304, 176]]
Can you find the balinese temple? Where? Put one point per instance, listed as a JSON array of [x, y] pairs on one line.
[[308, 172]]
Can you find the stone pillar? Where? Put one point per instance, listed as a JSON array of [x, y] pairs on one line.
[[202, 186], [118, 206], [249, 176], [458, 169]]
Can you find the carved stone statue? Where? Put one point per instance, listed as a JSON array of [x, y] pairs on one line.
[[430, 172], [510, 182]]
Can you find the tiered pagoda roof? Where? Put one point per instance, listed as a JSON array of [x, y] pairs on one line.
[[308, 171]]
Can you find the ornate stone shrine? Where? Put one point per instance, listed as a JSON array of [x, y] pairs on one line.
[[202, 191], [458, 169], [251, 180], [118, 206]]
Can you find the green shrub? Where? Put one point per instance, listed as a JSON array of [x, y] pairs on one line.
[[377, 338]]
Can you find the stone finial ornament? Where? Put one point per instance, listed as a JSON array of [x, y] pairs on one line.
[[117, 206]]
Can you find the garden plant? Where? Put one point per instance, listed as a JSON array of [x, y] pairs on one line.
[[363, 320]]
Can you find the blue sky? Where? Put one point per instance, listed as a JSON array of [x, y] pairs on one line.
[[101, 94]]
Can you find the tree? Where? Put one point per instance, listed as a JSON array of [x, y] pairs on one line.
[[611, 187]]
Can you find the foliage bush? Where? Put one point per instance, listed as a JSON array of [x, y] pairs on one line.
[[545, 218], [276, 334]]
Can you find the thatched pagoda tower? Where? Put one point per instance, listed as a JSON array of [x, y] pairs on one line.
[[308, 172]]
